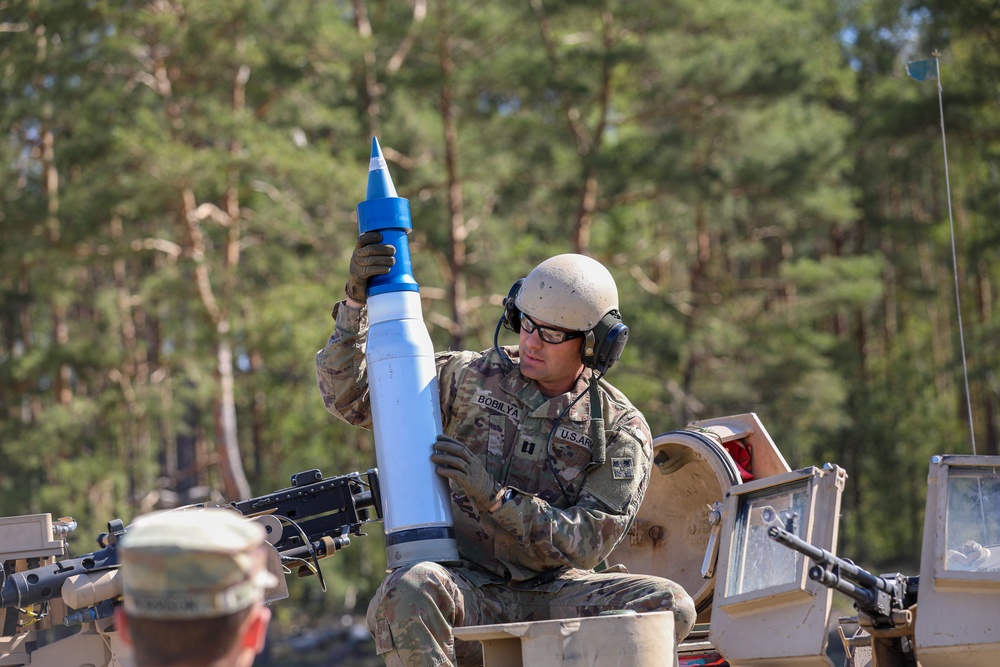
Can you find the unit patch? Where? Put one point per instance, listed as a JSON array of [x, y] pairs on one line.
[[621, 468], [496, 405]]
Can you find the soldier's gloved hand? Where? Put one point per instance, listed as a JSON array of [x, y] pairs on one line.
[[457, 462], [371, 258]]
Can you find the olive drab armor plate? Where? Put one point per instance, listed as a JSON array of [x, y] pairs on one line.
[[766, 610], [958, 620], [672, 532]]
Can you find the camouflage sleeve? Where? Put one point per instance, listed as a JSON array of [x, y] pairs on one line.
[[585, 534], [450, 366], [341, 372]]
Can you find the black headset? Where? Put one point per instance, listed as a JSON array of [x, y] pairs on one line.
[[602, 345]]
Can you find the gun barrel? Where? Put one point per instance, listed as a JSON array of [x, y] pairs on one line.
[[322, 548], [866, 598], [22, 589], [782, 536], [846, 568]]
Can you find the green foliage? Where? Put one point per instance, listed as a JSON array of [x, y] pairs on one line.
[[762, 180]]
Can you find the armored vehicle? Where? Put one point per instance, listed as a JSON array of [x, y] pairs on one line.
[[753, 541]]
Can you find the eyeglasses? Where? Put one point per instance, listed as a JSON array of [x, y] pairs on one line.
[[548, 334]]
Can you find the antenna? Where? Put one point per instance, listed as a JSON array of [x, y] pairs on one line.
[[920, 70]]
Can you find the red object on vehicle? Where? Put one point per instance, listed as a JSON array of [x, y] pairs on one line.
[[742, 455]]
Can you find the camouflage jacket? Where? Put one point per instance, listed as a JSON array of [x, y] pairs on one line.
[[502, 416]]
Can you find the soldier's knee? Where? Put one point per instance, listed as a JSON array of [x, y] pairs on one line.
[[416, 581], [669, 596], [412, 613], [685, 614], [407, 590]]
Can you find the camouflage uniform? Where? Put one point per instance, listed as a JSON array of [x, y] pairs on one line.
[[533, 558]]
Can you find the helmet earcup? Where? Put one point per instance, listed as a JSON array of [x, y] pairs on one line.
[[603, 344], [511, 314]]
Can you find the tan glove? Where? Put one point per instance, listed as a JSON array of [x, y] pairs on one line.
[[371, 258], [457, 462]]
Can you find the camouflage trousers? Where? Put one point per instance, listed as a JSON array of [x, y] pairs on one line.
[[415, 608]]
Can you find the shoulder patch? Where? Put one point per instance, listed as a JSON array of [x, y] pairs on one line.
[[622, 467]]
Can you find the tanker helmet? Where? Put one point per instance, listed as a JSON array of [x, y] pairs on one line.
[[570, 291]]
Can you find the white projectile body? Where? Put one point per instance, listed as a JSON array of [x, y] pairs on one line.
[[406, 416], [403, 389]]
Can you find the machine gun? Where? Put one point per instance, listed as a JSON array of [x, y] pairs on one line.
[[304, 523], [315, 517], [884, 599]]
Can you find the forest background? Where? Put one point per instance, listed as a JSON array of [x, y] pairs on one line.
[[178, 181]]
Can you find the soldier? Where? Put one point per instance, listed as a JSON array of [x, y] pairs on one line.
[[193, 589], [548, 464]]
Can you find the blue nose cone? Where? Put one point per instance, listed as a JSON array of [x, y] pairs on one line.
[[384, 211], [379, 181]]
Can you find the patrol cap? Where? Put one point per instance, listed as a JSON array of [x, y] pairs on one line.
[[193, 564]]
